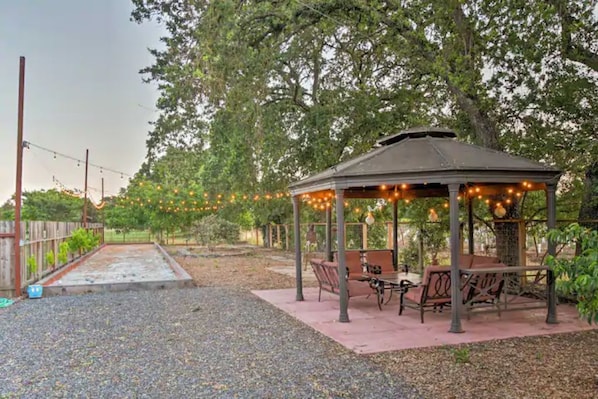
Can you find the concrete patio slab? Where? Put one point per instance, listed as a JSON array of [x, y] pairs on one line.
[[372, 330], [118, 268]]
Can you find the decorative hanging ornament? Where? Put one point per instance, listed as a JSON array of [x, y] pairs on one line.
[[500, 211], [370, 219]]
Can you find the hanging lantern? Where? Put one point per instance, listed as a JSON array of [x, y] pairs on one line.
[[370, 219], [500, 211]]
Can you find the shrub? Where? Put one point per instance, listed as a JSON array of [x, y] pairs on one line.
[[213, 229], [31, 265], [63, 252], [578, 276], [82, 240], [50, 259]]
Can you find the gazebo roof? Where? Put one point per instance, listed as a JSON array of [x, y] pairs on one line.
[[430, 157]]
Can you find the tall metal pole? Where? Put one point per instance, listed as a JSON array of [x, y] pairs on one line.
[[454, 245], [85, 191], [551, 317], [470, 225], [102, 210], [19, 186], [297, 233], [342, 266]]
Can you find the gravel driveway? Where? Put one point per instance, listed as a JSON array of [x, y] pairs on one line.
[[178, 343]]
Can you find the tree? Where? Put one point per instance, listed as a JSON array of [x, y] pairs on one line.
[[7, 211], [54, 205], [289, 88]]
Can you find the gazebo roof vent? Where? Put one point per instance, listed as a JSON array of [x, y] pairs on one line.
[[416, 133]]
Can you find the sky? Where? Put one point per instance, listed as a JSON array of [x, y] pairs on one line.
[[83, 91]]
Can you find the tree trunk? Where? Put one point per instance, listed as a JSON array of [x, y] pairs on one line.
[[588, 212]]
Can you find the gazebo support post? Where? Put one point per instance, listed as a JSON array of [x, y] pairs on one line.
[[329, 233], [395, 233], [297, 233], [455, 275], [470, 224], [551, 224], [342, 267]]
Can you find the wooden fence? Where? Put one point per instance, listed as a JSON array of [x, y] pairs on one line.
[[37, 240]]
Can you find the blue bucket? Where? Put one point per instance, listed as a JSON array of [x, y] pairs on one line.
[[35, 291]]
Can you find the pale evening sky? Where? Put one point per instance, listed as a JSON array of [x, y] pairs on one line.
[[82, 91]]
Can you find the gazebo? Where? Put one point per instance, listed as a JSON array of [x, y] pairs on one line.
[[417, 163]]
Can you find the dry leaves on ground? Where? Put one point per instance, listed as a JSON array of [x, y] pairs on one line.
[[550, 366]]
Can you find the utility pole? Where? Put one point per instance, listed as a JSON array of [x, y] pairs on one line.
[[85, 191], [19, 185]]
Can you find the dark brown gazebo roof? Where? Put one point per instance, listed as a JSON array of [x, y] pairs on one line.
[[429, 156]]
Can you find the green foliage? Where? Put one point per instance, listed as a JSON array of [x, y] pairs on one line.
[[54, 205], [82, 240], [409, 255], [212, 229], [267, 92], [51, 259], [578, 276], [7, 211], [31, 265], [63, 252], [461, 355]]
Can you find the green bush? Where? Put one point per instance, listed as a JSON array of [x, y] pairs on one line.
[[82, 240], [63, 252], [31, 265], [578, 277], [50, 259], [213, 229]]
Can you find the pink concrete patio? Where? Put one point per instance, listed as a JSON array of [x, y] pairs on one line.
[[372, 330]]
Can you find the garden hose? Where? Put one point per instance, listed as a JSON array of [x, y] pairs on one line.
[[4, 302]]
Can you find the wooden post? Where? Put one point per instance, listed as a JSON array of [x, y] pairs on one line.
[[85, 191], [286, 236], [522, 243], [18, 190], [364, 229], [278, 240]]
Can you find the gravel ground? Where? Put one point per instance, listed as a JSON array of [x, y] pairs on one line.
[[179, 343], [551, 366]]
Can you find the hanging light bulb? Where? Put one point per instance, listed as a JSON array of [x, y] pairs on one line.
[[370, 219], [500, 211]]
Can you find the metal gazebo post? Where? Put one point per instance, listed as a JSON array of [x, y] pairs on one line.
[[455, 277], [551, 224], [342, 267], [297, 232], [329, 233], [395, 233]]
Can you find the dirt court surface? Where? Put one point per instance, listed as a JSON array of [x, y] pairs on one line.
[[550, 366], [120, 264]]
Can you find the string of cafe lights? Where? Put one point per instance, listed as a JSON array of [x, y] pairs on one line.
[[76, 193], [29, 145], [400, 192], [169, 199]]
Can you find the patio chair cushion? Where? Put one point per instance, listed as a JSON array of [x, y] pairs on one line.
[[382, 259], [467, 261], [484, 260]]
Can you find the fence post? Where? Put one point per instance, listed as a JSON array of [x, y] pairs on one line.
[[364, 234]]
